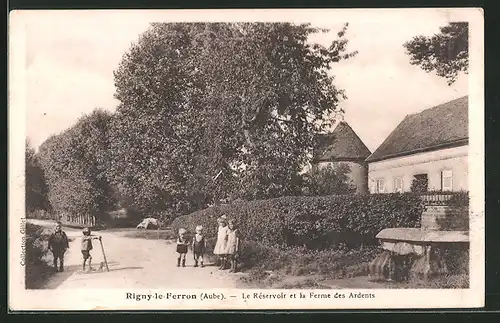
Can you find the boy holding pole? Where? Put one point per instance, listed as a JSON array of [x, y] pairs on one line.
[[87, 246]]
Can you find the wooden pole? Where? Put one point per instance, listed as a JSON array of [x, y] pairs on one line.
[[104, 254]]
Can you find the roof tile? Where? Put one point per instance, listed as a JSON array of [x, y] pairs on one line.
[[432, 128], [341, 144]]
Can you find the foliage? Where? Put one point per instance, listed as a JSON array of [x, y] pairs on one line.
[[313, 222], [459, 199], [329, 180], [445, 281], [268, 266], [36, 237], [74, 164], [240, 102], [36, 188], [419, 184], [36, 248], [298, 261], [446, 53]]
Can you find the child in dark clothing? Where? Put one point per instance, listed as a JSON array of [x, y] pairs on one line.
[[87, 246], [199, 246], [182, 248], [58, 244]]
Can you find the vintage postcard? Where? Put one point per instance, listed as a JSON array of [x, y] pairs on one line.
[[246, 159]]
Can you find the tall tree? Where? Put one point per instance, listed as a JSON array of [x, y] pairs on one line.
[[329, 180], [36, 189], [446, 53], [75, 166], [238, 100]]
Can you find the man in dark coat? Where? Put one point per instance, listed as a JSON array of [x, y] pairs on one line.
[[58, 244]]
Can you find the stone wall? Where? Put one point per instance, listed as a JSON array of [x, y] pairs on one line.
[[446, 218]]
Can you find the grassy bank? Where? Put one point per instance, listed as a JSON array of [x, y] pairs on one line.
[[287, 267], [268, 267], [38, 258], [37, 269]]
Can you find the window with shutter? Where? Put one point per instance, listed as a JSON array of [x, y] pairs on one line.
[[447, 180], [398, 185], [379, 185]]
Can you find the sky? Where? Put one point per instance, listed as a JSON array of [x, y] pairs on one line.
[[70, 58]]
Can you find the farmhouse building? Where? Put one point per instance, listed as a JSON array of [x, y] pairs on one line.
[[343, 146], [428, 149]]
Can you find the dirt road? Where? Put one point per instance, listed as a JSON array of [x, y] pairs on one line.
[[134, 263]]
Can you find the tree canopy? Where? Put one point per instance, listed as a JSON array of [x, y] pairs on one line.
[[446, 53], [220, 110], [329, 180], [74, 163], [35, 189]]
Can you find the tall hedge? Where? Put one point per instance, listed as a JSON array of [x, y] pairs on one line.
[[74, 166], [314, 222]]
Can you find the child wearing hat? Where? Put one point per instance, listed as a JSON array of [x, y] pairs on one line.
[[220, 245], [87, 246], [199, 246], [182, 248]]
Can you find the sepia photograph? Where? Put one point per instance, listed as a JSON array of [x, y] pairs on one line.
[[241, 159]]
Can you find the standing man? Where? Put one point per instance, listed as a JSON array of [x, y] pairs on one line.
[[58, 244]]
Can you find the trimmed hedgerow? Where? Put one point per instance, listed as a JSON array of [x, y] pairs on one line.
[[312, 222]]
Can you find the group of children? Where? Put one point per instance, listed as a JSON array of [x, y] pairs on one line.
[[227, 247]]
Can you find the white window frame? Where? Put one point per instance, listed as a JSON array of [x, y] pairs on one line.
[[446, 174], [379, 188], [401, 186]]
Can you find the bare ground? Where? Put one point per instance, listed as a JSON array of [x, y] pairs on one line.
[[133, 263]]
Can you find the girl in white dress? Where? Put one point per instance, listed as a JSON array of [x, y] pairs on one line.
[[220, 245], [233, 245]]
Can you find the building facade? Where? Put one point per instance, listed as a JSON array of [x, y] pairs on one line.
[[445, 170], [428, 150]]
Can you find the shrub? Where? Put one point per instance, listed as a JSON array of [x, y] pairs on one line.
[[329, 180], [419, 184], [455, 257], [36, 248], [459, 199], [446, 281], [299, 261], [312, 222]]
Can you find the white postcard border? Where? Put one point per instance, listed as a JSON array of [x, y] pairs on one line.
[[115, 299]]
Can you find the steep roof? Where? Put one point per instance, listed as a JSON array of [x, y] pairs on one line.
[[341, 144], [440, 127]]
